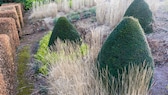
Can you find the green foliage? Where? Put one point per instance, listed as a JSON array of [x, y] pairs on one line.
[[86, 14], [125, 45], [27, 3], [52, 56], [93, 11], [64, 30], [89, 13], [44, 69], [139, 9], [83, 49], [43, 48], [73, 17], [93, 19], [41, 55]]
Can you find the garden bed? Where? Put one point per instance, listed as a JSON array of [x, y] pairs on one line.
[[158, 41]]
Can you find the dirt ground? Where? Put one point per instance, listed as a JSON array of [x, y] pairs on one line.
[[158, 41]]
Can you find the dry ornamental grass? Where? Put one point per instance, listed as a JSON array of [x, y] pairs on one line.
[[50, 8], [111, 12], [41, 10]]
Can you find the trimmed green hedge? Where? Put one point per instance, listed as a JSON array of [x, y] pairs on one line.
[[43, 48], [139, 9], [125, 45], [64, 30]]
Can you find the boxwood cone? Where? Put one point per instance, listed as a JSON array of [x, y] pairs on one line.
[[125, 45], [64, 30], [139, 9]]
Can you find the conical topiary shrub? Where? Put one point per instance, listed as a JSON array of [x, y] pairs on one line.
[[139, 9], [64, 30], [125, 45]]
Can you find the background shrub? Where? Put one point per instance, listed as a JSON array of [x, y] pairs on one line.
[[64, 30], [73, 16], [27, 3], [125, 45], [139, 9]]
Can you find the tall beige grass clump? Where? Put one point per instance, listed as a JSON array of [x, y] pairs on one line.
[[89, 3], [111, 12], [59, 4], [74, 5], [65, 6], [43, 9], [135, 81], [78, 75], [80, 4], [74, 75]]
